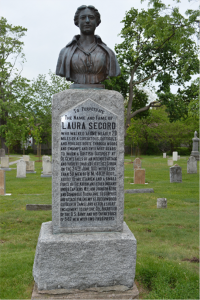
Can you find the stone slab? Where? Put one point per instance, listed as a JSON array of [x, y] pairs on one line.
[[46, 175], [7, 169], [87, 86], [38, 207], [161, 202], [2, 182], [170, 162], [30, 172], [139, 176], [84, 260], [137, 163], [138, 191], [175, 174], [164, 155], [30, 166], [88, 148], [21, 169], [91, 294], [5, 162], [175, 156], [192, 165], [26, 157]]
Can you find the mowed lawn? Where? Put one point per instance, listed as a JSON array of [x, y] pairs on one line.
[[167, 239]]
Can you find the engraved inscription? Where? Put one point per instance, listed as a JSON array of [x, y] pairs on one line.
[[88, 186]]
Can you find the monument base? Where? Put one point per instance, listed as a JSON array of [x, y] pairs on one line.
[[46, 175], [94, 293], [84, 260], [195, 154]]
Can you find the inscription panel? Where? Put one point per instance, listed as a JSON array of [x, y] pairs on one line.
[[88, 164]]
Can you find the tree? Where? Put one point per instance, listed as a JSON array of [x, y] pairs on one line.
[[42, 90], [157, 45], [155, 133], [13, 87]]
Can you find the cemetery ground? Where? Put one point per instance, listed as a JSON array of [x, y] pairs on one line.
[[167, 239]]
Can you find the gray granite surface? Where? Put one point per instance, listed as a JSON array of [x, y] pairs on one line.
[[87, 161], [84, 260]]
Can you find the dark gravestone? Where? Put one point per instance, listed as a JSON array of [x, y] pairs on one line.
[[2, 152]]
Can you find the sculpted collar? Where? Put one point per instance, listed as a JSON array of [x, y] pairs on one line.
[[76, 38]]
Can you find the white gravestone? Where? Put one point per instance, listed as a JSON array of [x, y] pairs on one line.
[[43, 158], [164, 155], [26, 157], [87, 242], [170, 162], [175, 156], [30, 167], [5, 162], [192, 165], [21, 169], [47, 168]]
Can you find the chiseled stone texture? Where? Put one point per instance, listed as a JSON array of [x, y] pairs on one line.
[[62, 102], [84, 260], [30, 166], [113, 292], [192, 165], [26, 157], [175, 174]]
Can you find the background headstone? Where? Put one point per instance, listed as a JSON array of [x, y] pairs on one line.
[[2, 152], [170, 162], [137, 163], [195, 146], [192, 165], [175, 174], [2, 182], [43, 158], [161, 202], [21, 169], [139, 176], [30, 167], [47, 168], [164, 155], [26, 157], [178, 157], [5, 162], [175, 156]]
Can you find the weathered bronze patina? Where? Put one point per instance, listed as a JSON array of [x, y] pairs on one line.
[[86, 60]]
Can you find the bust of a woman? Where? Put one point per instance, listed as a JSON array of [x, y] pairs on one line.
[[86, 59]]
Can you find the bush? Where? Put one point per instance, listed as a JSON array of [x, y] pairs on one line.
[[183, 150]]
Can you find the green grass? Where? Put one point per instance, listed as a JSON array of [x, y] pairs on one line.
[[164, 236]]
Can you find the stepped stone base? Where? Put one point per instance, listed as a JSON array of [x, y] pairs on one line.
[[84, 260], [119, 292]]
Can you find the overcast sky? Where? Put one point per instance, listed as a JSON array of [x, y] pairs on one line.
[[50, 26]]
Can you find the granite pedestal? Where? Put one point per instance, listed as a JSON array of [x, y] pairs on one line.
[[87, 244]]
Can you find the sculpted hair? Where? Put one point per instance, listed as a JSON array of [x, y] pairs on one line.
[[79, 9]]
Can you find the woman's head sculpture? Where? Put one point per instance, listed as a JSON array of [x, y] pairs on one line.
[[92, 8]]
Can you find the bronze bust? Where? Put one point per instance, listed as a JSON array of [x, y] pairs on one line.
[[86, 59]]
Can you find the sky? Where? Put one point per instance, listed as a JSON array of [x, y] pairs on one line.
[[50, 25]]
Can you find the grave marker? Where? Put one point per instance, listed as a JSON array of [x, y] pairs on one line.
[[47, 167], [192, 165], [195, 146], [87, 196], [2, 182], [164, 155], [161, 202], [175, 174], [21, 169], [139, 176], [5, 163], [137, 163], [170, 162], [26, 157], [30, 167], [175, 156]]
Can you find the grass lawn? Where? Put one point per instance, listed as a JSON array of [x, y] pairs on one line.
[[167, 239]]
